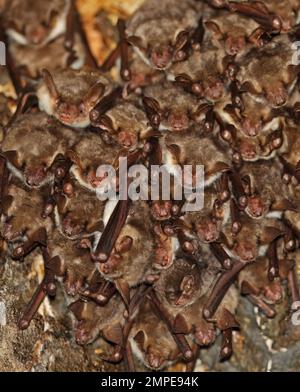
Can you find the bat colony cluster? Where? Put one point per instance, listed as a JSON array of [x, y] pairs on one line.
[[201, 83]]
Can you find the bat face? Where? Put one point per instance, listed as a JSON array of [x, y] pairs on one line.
[[72, 262], [233, 31], [142, 74], [93, 320], [174, 107], [254, 118], [125, 123], [70, 95], [90, 153], [246, 242], [80, 212], [156, 37], [32, 162], [133, 256], [35, 23], [192, 148], [23, 213], [152, 343], [180, 284], [273, 60], [257, 275], [253, 238], [204, 70], [287, 11], [266, 185], [208, 222], [53, 56]]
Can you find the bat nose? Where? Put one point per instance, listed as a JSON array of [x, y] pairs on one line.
[[250, 127], [161, 57], [34, 176], [36, 35], [155, 361], [178, 121]]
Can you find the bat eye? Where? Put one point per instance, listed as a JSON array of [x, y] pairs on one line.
[[166, 113], [82, 108], [171, 294]]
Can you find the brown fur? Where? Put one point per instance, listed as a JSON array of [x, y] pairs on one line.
[[38, 140]]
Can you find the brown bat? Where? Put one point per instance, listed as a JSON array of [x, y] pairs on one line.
[[234, 32], [267, 191], [133, 69], [152, 342], [79, 212], [35, 163], [208, 222], [255, 284], [71, 261], [30, 61], [202, 73], [88, 154], [92, 320], [125, 123], [289, 157], [160, 31], [142, 74], [70, 95], [132, 260], [36, 23], [168, 107], [184, 289], [23, 210], [253, 117], [192, 148], [268, 72], [253, 237], [62, 258]]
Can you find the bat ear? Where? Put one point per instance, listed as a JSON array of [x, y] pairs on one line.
[[181, 40], [175, 151], [94, 94], [220, 167], [270, 234], [12, 156], [226, 320], [283, 205], [124, 290], [214, 28], [77, 308], [73, 157], [137, 42], [98, 226], [57, 266], [50, 84], [40, 236], [249, 87], [6, 203], [114, 334], [140, 339], [180, 325], [292, 71], [246, 180]]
